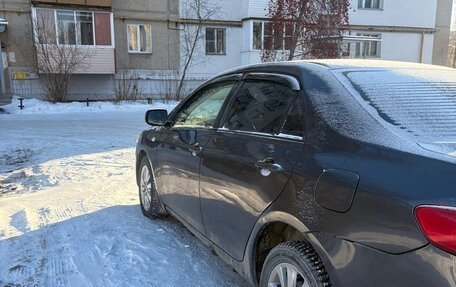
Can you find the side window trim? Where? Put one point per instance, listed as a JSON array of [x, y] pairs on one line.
[[259, 134], [288, 80]]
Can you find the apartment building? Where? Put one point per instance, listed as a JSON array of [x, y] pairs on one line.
[[413, 31], [142, 39], [134, 38]]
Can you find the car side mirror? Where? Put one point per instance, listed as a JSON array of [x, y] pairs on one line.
[[157, 117]]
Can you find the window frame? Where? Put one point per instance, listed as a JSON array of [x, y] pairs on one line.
[[57, 30], [75, 11], [261, 35], [138, 35], [94, 37], [216, 29], [362, 5], [362, 44], [284, 36]]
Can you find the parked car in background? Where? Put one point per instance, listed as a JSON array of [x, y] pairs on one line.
[[318, 173]]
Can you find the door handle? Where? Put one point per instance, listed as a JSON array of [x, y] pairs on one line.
[[195, 148], [269, 164]]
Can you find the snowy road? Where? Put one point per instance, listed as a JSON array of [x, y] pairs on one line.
[[69, 213]]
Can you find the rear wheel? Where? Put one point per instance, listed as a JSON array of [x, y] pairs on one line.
[[148, 197], [293, 264]]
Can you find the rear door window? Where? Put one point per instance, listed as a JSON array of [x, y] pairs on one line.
[[260, 107], [294, 123]]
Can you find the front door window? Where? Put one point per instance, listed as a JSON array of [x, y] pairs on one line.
[[204, 107]]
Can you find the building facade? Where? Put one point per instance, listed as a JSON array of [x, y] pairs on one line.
[[413, 31], [143, 40], [136, 39]]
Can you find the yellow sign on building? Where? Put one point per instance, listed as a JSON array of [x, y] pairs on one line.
[[21, 75]]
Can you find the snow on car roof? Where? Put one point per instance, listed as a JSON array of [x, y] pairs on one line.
[[380, 64]]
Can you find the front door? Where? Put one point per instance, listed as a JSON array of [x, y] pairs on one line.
[[179, 154], [247, 163]]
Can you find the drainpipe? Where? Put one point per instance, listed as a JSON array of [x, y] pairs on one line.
[[2, 72], [3, 26], [454, 60], [454, 54], [422, 48]]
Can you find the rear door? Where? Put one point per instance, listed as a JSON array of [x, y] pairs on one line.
[[178, 155], [248, 161]]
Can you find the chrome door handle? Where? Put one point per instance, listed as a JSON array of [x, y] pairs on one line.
[[269, 165], [195, 149]]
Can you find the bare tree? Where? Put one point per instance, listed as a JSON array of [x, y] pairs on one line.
[[301, 29], [56, 63], [126, 87], [167, 87], [452, 50], [195, 13]]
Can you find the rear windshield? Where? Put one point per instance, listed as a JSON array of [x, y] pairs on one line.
[[421, 103]]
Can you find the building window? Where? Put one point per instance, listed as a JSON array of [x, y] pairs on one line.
[[84, 28], [257, 35], [369, 47], [370, 4], [267, 35], [45, 26], [69, 27], [215, 41], [289, 30], [139, 38], [103, 29], [66, 28], [264, 38]]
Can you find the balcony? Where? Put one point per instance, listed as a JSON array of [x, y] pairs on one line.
[[62, 34]]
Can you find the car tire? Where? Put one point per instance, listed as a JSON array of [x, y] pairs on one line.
[[148, 196], [297, 260]]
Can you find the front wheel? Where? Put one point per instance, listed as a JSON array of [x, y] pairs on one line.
[[293, 264], [148, 197]]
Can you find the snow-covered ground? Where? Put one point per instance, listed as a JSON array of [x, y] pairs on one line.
[[69, 213]]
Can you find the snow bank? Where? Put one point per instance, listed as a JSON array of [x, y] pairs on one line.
[[34, 106]]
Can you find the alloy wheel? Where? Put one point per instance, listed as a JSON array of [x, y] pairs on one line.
[[146, 188], [287, 275]]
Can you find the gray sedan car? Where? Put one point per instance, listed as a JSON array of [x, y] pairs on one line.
[[318, 173]]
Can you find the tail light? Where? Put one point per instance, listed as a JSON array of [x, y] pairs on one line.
[[438, 224]]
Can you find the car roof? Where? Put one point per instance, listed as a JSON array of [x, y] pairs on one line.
[[337, 64], [372, 64]]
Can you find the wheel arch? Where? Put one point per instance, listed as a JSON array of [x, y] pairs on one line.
[[271, 229], [261, 241]]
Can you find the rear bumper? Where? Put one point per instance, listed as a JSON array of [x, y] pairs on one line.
[[350, 264]]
